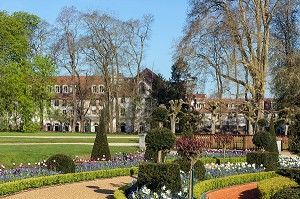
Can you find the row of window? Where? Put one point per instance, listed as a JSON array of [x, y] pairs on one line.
[[93, 102], [94, 111], [69, 88]]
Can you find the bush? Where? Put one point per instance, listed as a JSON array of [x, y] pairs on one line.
[[294, 141], [160, 139], [263, 122], [156, 140], [152, 155], [100, 148], [61, 162], [261, 139], [185, 164], [267, 188], [293, 173], [272, 147], [289, 193], [267, 159], [156, 175]]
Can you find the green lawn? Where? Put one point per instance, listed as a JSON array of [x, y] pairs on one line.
[[64, 140], [35, 153], [62, 134]]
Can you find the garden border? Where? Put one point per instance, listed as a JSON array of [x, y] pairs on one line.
[[20, 185]]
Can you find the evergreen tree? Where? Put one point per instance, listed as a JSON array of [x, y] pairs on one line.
[[294, 144], [101, 149], [273, 144]]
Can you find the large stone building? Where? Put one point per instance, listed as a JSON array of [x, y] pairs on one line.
[[89, 93]]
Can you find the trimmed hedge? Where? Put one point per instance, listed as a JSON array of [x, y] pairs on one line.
[[156, 175], [268, 187], [61, 162], [208, 185], [16, 186], [268, 159], [293, 173], [289, 193]]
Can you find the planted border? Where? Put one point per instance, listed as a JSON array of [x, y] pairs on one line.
[[13, 187], [208, 185], [268, 187]]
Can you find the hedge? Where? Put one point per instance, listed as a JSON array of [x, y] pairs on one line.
[[202, 187], [16, 186], [268, 187], [208, 185]]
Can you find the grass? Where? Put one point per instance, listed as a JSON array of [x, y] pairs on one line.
[[64, 140], [36, 153], [62, 134]]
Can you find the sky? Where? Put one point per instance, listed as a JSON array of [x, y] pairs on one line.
[[169, 19]]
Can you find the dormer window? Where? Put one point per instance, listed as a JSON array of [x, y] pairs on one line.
[[101, 88], [57, 88], [97, 89], [65, 89], [94, 89]]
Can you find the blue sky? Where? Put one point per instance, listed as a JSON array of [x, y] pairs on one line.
[[169, 19]]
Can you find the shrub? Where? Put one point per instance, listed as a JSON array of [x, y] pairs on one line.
[[272, 147], [185, 164], [293, 173], [267, 159], [267, 188], [289, 193], [100, 148], [61, 162], [261, 139], [152, 154], [156, 175], [294, 141], [263, 122], [158, 139]]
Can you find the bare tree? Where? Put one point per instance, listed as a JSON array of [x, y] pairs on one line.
[[68, 27], [137, 33], [243, 25]]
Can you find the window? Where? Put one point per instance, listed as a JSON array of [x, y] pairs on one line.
[[94, 111], [57, 88], [94, 89], [65, 89], [122, 99], [122, 112], [142, 88], [56, 102], [64, 112], [101, 88]]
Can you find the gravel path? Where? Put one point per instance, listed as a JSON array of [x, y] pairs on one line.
[[96, 189]]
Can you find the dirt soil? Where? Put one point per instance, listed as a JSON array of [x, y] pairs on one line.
[[246, 191]]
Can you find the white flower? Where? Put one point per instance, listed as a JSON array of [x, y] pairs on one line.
[[163, 188]]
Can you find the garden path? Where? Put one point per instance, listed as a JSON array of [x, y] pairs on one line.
[[95, 189]]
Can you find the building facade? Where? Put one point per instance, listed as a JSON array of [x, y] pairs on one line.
[[78, 101]]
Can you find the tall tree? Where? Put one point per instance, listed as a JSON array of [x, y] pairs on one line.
[[68, 27], [243, 25], [285, 31]]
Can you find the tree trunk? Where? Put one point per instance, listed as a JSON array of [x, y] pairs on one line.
[[173, 125]]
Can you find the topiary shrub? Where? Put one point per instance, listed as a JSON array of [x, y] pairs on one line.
[[156, 175], [152, 154], [289, 193], [61, 162], [263, 122], [159, 139], [267, 159], [261, 140], [185, 164], [100, 149], [272, 147]]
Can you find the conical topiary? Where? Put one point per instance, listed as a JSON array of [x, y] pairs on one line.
[[101, 149], [272, 147]]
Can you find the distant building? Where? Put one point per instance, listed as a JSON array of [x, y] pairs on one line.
[[89, 92]]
